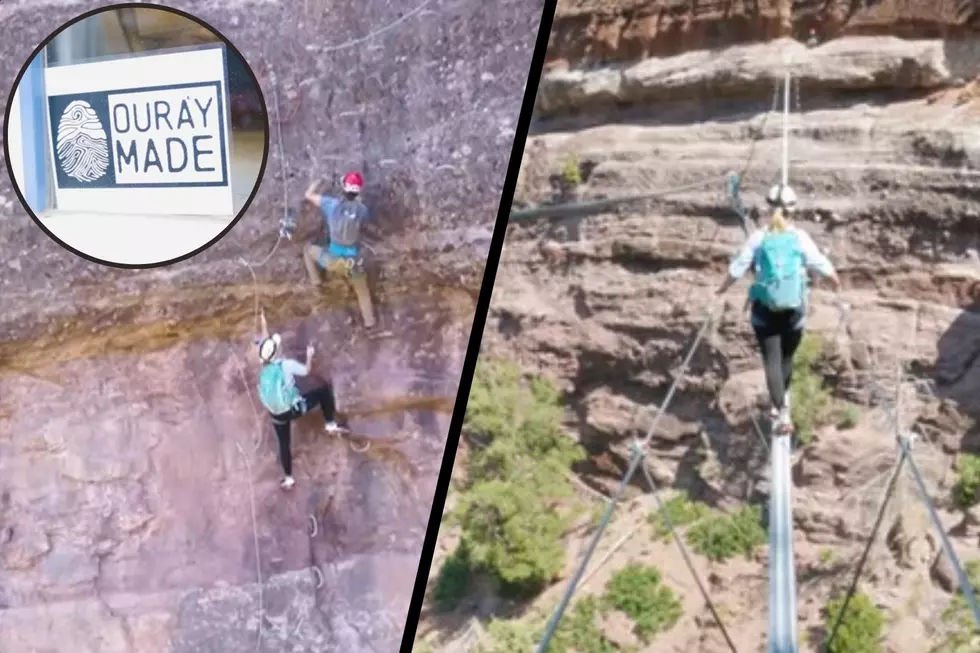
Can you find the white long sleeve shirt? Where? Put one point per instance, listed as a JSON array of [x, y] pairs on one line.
[[813, 259]]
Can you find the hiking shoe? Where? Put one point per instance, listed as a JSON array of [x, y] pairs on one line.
[[287, 483], [333, 427]]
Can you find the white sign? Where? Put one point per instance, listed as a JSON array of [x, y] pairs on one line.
[[142, 134]]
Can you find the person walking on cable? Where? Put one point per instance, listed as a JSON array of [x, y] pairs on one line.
[[282, 399], [781, 254], [339, 251]]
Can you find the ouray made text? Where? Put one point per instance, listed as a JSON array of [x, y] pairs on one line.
[[168, 135], [126, 117]]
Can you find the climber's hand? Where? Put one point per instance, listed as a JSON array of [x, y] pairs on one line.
[[310, 350], [264, 324]]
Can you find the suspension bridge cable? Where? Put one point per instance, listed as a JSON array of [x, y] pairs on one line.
[[620, 491], [892, 483], [571, 208], [683, 549], [954, 560]]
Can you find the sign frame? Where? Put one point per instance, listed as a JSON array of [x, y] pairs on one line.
[[171, 69]]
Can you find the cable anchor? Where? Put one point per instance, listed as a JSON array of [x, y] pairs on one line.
[[734, 193], [287, 225]]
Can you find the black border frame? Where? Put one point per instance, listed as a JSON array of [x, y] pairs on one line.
[[262, 166], [479, 322]]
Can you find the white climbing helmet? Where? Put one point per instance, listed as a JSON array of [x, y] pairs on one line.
[[782, 196], [269, 347]]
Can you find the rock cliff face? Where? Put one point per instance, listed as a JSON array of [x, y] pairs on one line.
[[629, 30], [139, 506], [887, 165]]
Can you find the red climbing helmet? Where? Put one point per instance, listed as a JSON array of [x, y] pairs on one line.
[[353, 182]]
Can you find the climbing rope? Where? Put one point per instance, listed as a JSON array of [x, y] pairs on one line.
[[286, 221], [621, 490]]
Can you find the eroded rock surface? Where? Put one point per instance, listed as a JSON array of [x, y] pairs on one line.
[[139, 499]]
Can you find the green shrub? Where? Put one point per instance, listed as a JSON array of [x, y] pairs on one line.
[[720, 536], [964, 635], [966, 492], [637, 591], [508, 636], [680, 510], [510, 509], [848, 417], [811, 400], [513, 535], [453, 581], [860, 630], [826, 555], [579, 631], [571, 171], [517, 425]]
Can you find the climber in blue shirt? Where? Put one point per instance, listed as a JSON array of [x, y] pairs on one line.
[[340, 251]]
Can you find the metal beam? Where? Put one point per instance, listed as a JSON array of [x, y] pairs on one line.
[[782, 570]]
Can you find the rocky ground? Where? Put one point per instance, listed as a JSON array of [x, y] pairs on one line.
[[607, 304], [139, 499]]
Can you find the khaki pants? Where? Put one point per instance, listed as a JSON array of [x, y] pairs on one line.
[[316, 259]]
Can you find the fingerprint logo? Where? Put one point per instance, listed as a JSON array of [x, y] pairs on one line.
[[83, 149]]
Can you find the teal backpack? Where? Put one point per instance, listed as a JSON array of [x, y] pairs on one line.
[[780, 278], [275, 393]]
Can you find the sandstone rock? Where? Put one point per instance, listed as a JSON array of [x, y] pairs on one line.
[[856, 63], [27, 545], [942, 573]]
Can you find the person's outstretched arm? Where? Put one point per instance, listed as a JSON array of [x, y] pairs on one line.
[[295, 368], [312, 196], [741, 263], [815, 260], [265, 325]]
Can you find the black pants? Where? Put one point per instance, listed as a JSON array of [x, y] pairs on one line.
[[778, 335], [322, 397]]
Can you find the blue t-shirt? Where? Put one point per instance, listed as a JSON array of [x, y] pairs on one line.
[[344, 230]]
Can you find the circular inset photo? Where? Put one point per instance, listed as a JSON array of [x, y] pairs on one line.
[[136, 135]]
